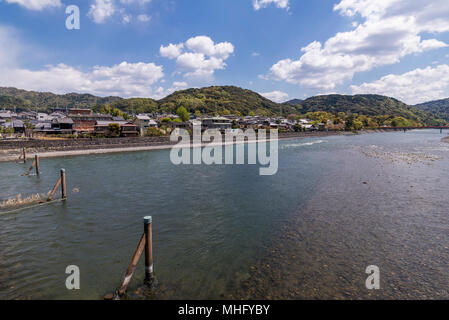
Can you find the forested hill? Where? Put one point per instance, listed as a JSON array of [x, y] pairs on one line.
[[294, 102], [43, 101], [222, 100], [368, 105], [439, 108]]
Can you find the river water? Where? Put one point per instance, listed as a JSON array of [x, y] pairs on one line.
[[337, 205]]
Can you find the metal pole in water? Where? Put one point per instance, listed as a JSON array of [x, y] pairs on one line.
[[148, 230], [36, 157], [63, 184]]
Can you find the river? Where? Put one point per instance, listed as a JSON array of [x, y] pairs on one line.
[[337, 205]]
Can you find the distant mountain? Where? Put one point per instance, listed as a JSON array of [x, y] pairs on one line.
[[439, 108], [294, 102], [221, 100], [44, 101], [369, 105], [228, 100], [224, 100]]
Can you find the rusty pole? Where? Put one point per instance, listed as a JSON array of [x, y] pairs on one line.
[[36, 157], [132, 266], [63, 184], [148, 230]]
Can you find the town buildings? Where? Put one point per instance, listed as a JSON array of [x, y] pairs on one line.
[[82, 122]]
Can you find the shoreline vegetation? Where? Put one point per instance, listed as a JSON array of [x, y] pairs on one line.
[[78, 147]]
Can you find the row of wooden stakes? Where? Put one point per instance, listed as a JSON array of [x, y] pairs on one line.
[[61, 181], [145, 243]]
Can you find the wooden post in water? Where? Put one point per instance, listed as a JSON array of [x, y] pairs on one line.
[[36, 158], [145, 243], [148, 229], [132, 266], [31, 168], [53, 191], [63, 184], [24, 155]]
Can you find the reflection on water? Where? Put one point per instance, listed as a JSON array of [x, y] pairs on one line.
[[225, 232]]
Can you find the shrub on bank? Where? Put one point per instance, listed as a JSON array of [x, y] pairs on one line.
[[153, 132]]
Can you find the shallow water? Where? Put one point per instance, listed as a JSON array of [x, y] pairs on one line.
[[308, 232]]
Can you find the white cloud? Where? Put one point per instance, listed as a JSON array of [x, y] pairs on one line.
[[201, 58], [259, 4], [276, 96], [124, 79], [176, 86], [172, 51], [36, 4], [204, 45], [126, 18], [180, 85], [391, 30], [162, 93], [143, 18], [417, 86], [140, 2], [198, 66], [100, 10]]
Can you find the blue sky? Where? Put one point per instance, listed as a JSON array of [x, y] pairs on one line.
[[283, 49]]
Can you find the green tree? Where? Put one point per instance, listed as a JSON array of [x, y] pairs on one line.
[[115, 129], [107, 109], [400, 122], [338, 120], [349, 123], [183, 114], [153, 132], [357, 125]]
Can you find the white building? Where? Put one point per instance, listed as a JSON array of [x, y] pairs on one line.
[[43, 117], [144, 122]]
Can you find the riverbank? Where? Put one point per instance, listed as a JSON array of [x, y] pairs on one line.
[[11, 150]]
